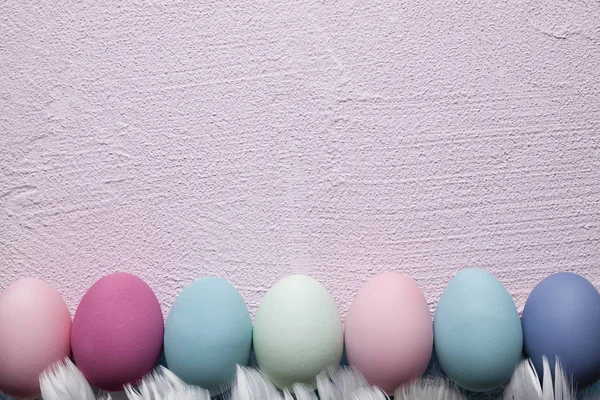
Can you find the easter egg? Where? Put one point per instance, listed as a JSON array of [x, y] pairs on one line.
[[35, 331], [389, 332], [561, 318], [477, 332], [117, 331], [297, 332], [208, 332]]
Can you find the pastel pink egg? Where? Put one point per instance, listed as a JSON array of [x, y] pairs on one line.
[[35, 331], [389, 331], [117, 331]]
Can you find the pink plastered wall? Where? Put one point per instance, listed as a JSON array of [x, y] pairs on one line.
[[256, 139]]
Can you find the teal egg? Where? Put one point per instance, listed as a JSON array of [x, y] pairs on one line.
[[208, 332], [477, 331]]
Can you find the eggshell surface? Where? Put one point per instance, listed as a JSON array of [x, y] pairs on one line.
[[477, 331], [297, 331], [561, 318], [389, 332], [117, 331], [208, 332], [35, 331]]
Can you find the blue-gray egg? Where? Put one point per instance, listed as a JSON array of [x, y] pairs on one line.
[[561, 319], [477, 331], [208, 332]]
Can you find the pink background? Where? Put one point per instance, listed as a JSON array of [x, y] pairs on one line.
[[255, 139]]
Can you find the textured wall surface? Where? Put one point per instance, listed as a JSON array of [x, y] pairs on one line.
[[255, 139]]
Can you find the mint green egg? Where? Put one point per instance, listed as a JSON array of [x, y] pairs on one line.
[[297, 332], [477, 331]]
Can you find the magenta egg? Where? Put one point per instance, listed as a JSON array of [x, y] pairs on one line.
[[389, 331], [117, 331]]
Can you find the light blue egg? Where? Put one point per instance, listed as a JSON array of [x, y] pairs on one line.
[[208, 332], [477, 331]]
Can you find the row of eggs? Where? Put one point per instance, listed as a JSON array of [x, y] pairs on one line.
[[118, 332]]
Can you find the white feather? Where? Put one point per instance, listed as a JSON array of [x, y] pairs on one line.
[[563, 390], [104, 395], [304, 392], [251, 384], [346, 381], [547, 387], [287, 395], [336, 384], [525, 383], [369, 394], [437, 388], [162, 384], [64, 381], [326, 389]]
